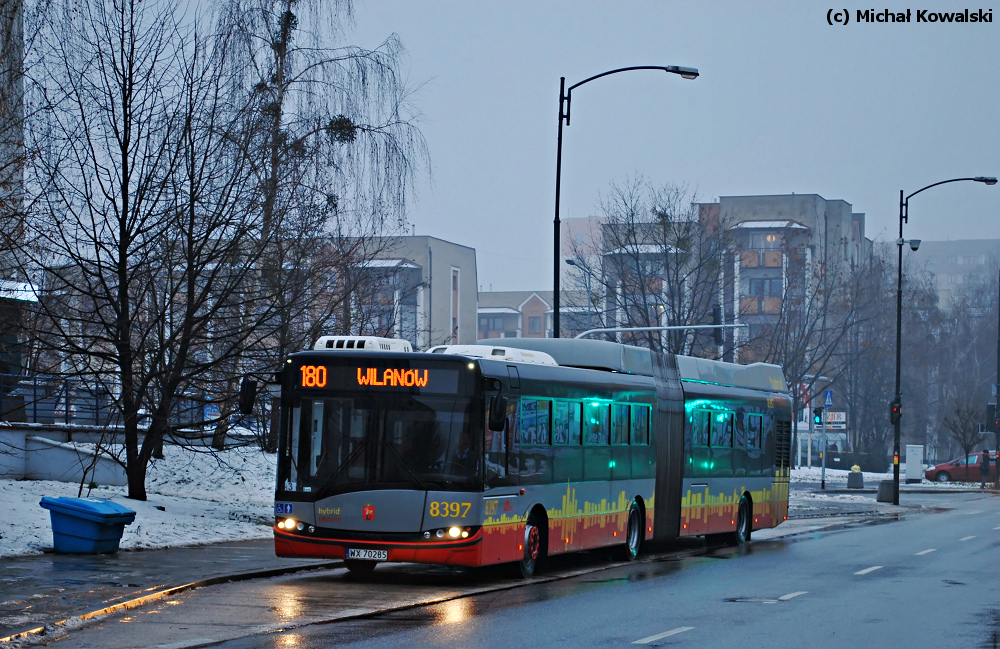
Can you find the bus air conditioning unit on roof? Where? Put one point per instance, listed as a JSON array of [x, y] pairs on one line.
[[496, 353], [367, 343]]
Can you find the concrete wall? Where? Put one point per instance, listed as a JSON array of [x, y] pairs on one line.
[[45, 459], [44, 452]]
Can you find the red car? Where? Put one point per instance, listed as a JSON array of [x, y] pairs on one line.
[[963, 469]]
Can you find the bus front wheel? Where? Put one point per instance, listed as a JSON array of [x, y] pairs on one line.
[[532, 548]]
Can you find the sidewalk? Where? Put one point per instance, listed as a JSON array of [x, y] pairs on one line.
[[36, 591]]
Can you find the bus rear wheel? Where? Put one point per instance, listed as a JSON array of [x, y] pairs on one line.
[[532, 548], [633, 532], [744, 522]]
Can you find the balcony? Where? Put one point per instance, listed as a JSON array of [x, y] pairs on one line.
[[758, 305], [761, 258]]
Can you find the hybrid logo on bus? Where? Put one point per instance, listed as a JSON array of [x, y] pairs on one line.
[[393, 377]]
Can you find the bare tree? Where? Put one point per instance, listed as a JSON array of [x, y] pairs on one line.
[[963, 423], [868, 376], [659, 264], [337, 151], [822, 301], [143, 227]]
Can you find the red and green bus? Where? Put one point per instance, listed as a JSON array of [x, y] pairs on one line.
[[512, 450]]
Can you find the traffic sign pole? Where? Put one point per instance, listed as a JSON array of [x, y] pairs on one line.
[[827, 403]]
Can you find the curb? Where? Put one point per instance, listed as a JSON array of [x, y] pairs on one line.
[[916, 490], [167, 592]]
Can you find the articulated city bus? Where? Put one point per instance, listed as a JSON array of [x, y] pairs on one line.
[[512, 450]]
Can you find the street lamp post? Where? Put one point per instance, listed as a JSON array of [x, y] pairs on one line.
[[565, 96], [895, 408]]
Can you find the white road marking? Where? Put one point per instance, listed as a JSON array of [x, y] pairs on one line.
[[968, 537], [658, 636], [785, 598], [867, 570], [920, 554]]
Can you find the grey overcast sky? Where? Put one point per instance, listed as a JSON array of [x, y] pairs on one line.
[[785, 103]]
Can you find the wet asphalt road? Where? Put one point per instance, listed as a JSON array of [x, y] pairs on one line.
[[799, 591]]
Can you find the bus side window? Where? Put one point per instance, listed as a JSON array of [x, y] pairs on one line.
[[595, 419], [542, 422], [740, 429], [640, 425], [566, 416], [534, 422], [619, 424], [722, 429], [699, 427], [753, 431]]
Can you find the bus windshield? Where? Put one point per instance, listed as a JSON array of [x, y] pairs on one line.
[[335, 445]]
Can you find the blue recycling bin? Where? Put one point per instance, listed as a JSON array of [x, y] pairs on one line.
[[86, 525]]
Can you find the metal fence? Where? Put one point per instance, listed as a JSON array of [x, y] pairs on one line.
[[54, 400]]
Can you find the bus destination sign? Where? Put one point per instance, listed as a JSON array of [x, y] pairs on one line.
[[394, 377], [362, 377]]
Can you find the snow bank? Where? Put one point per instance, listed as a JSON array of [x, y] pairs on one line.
[[194, 497]]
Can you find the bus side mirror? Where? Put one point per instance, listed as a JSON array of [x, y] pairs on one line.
[[248, 392], [498, 413]]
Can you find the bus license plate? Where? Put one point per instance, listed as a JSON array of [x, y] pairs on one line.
[[370, 555]]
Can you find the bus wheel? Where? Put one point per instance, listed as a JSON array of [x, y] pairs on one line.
[[744, 522], [633, 532], [359, 567], [532, 548]]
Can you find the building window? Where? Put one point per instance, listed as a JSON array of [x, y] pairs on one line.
[[535, 324], [765, 240], [765, 287]]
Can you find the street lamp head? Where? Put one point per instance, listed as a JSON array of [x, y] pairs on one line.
[[686, 73], [571, 262], [914, 244], [989, 180]]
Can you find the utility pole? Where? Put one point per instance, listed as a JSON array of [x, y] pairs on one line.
[[996, 398]]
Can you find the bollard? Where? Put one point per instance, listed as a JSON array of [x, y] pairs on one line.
[[885, 491], [855, 480]]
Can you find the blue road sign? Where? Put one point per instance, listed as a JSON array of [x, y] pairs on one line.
[[829, 399]]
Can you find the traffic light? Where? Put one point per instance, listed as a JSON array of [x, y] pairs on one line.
[[818, 416], [895, 412], [717, 320], [996, 417]]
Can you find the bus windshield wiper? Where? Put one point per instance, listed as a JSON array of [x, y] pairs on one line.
[[406, 466], [346, 463]]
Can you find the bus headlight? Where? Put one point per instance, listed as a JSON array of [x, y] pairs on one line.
[[287, 524], [454, 532]]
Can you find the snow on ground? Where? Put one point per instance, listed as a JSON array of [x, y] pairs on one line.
[[193, 498], [196, 498], [836, 476]]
